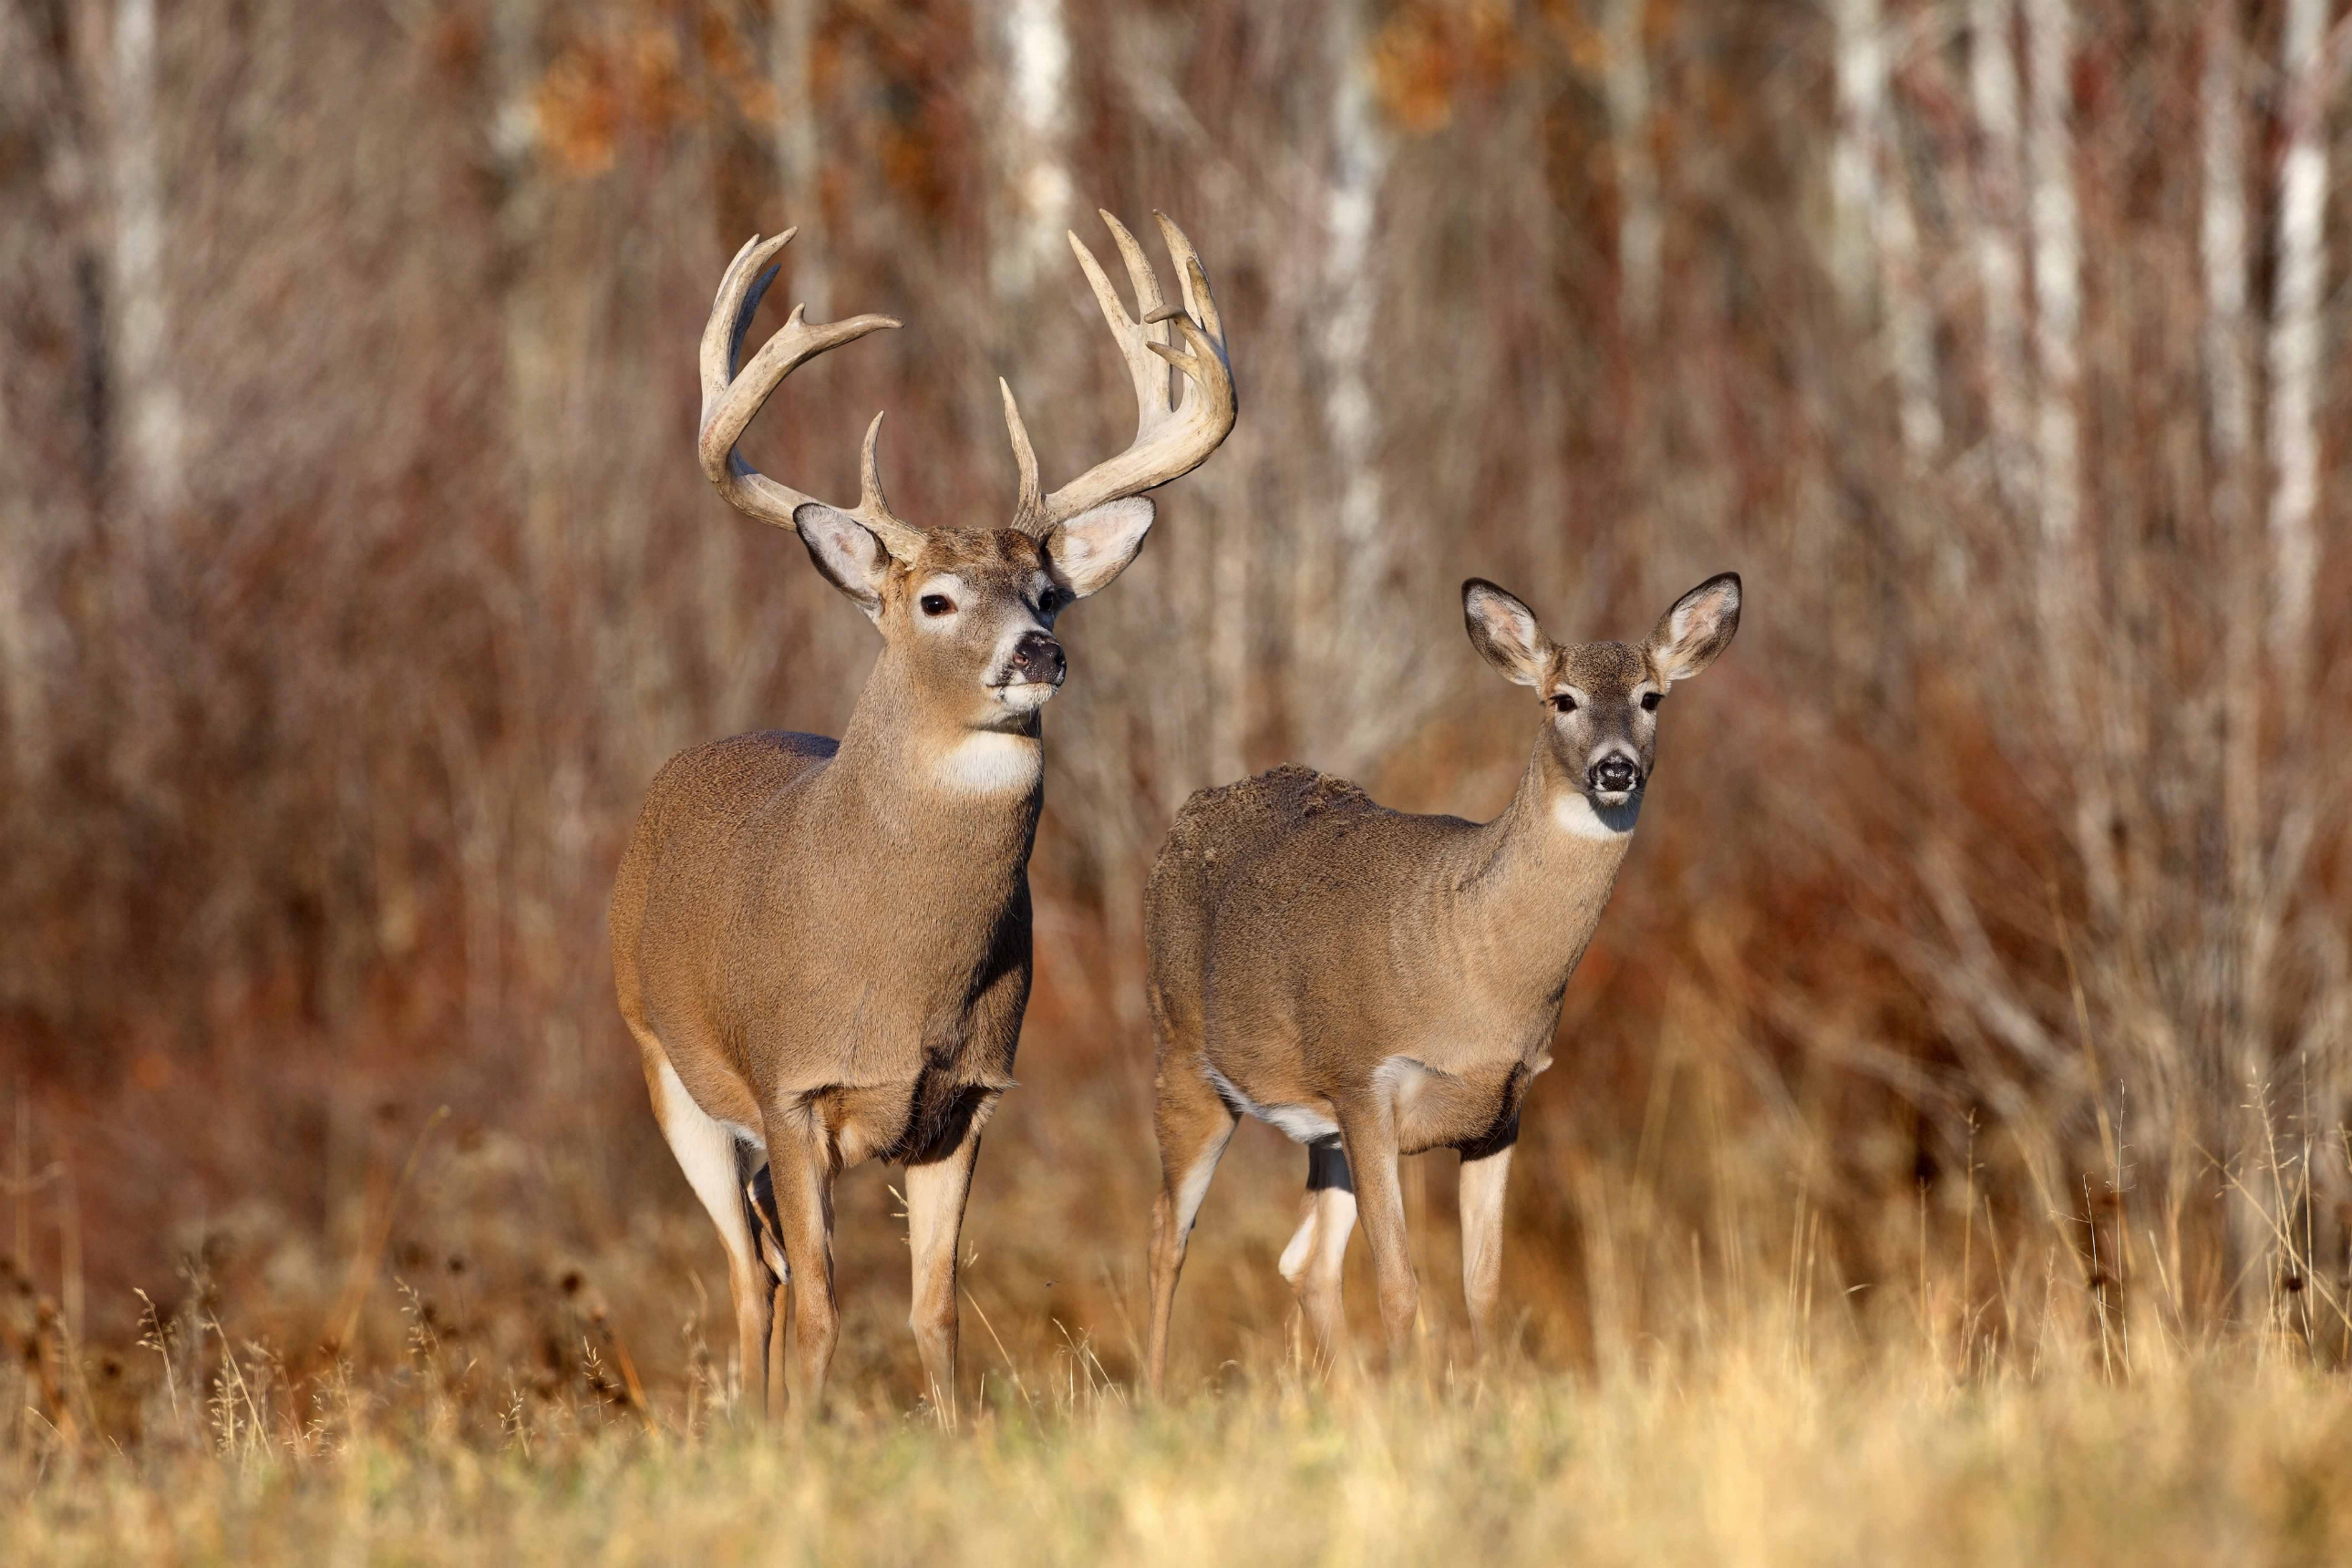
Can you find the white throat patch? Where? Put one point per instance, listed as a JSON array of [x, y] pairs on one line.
[[990, 762], [1576, 814]]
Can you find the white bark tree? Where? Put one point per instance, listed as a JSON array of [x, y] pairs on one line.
[[2229, 416], [152, 426], [1875, 238], [1342, 590], [1641, 215], [2000, 257], [1034, 152], [2064, 585], [798, 165], [2293, 355]]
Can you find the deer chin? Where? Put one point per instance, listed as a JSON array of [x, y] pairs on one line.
[[1023, 696], [1597, 817]]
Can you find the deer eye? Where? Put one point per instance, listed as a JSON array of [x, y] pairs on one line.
[[1564, 703], [936, 603], [1649, 702]]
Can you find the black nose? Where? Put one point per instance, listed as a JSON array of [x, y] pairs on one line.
[[1614, 773], [1037, 656]]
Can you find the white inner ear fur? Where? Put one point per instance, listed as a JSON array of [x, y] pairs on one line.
[[1512, 641], [1689, 625], [847, 552], [1096, 546]]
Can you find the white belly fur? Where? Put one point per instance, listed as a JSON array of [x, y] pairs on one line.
[[1300, 1123], [1400, 1078]]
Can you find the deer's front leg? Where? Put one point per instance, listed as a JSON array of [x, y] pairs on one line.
[[936, 1191], [801, 1170], [1367, 1130], [1484, 1174]]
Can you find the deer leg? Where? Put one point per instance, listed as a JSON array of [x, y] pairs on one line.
[[1317, 1254], [936, 1191], [1194, 1126], [762, 1192], [800, 1169], [1484, 1173], [708, 1153], [1368, 1132]]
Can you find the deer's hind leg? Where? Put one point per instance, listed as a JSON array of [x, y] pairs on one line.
[[1317, 1254], [1195, 1124], [713, 1158]]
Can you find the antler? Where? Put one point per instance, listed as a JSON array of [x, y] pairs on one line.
[[729, 399], [1168, 441]]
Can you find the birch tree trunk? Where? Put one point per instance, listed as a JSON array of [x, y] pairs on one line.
[[1035, 155], [2063, 589], [2293, 355], [1343, 590], [153, 428], [2230, 415], [2235, 1005], [1860, 63], [1641, 222], [799, 166], [2001, 261], [1875, 245]]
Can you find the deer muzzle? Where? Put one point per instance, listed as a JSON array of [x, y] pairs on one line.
[[1614, 774], [1036, 660]]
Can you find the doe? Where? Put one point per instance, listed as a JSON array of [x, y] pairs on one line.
[[1377, 983]]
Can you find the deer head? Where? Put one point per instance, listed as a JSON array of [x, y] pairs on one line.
[[968, 613], [1603, 698]]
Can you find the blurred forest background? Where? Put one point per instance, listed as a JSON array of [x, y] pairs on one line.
[[1990, 906]]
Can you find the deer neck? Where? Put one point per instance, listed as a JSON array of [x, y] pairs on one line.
[[1538, 877], [923, 774]]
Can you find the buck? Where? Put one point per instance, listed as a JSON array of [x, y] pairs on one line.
[[1375, 983], [822, 947]]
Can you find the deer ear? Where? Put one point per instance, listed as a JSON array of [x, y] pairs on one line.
[[1505, 631], [1697, 628], [847, 552], [1085, 552]]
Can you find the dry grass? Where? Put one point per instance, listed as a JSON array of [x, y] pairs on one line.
[[1755, 1453], [511, 1391]]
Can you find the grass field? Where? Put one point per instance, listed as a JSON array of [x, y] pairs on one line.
[[513, 1385], [1744, 1458]]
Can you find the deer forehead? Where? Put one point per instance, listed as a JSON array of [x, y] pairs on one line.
[[992, 559], [1601, 671]]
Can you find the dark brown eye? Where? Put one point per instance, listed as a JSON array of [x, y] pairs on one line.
[[1564, 702], [936, 603], [1649, 702]]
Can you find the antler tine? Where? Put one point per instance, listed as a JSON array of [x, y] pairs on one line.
[[1150, 377], [731, 397], [1168, 441], [871, 507], [1029, 507], [1192, 278]]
